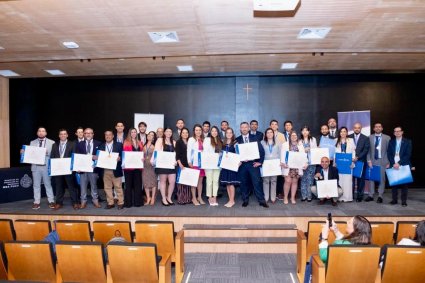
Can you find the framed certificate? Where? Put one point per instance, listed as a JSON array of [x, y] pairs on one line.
[[230, 161], [33, 155], [317, 153], [248, 151], [82, 162], [165, 159], [271, 167], [107, 160], [327, 189], [297, 159], [132, 159], [59, 166], [188, 176], [208, 160]]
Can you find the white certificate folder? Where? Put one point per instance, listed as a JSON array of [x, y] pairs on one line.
[[33, 155], [82, 162], [271, 167], [165, 159], [327, 189], [59, 166], [188, 176], [107, 160], [132, 159], [229, 161], [209, 160], [248, 151]]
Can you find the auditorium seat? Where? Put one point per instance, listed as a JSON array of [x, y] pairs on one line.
[[32, 230], [348, 264], [3, 263], [138, 262], [404, 264], [73, 230], [30, 261], [81, 261], [106, 230], [382, 233], [405, 229], [301, 255], [162, 234], [313, 231], [7, 232]]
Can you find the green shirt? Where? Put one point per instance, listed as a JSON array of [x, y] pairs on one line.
[[323, 252]]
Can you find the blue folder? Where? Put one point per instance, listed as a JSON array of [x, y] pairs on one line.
[[398, 177], [330, 144], [358, 169], [343, 162], [373, 174]]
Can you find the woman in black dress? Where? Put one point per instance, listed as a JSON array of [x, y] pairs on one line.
[[183, 191]]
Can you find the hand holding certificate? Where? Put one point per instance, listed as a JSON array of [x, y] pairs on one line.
[[297, 159], [188, 176], [248, 151], [230, 161], [330, 144], [107, 160], [402, 175], [59, 166], [165, 159], [271, 167], [208, 160], [327, 189], [33, 155], [343, 162], [132, 159], [317, 154], [82, 162]]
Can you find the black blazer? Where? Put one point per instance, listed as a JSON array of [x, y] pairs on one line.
[[123, 137], [81, 147], [260, 147], [69, 149], [405, 151], [362, 147], [259, 135], [181, 152], [332, 174], [116, 147]]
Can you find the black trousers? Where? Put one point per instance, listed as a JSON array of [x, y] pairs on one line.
[[249, 173], [360, 182], [69, 181], [133, 193], [403, 189]]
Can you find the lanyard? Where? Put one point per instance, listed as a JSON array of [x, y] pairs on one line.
[[109, 149], [270, 148], [397, 149]]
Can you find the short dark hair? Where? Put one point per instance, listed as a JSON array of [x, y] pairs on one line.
[[119, 123], [142, 123], [63, 130], [253, 121], [243, 123], [180, 119], [273, 120], [206, 122], [79, 128], [288, 121], [224, 121], [41, 127]]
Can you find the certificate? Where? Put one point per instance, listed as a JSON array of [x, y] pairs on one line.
[[248, 151], [165, 159], [34, 155], [59, 166], [132, 159], [82, 162], [297, 159], [343, 162], [229, 161], [374, 173], [271, 167], [317, 153], [107, 160], [328, 143], [327, 189], [208, 160], [188, 176], [398, 177]]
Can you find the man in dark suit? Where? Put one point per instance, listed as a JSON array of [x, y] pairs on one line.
[[362, 149], [399, 153], [326, 172], [88, 146], [251, 169], [253, 125], [112, 179], [223, 127], [120, 134], [179, 126], [333, 129], [64, 149]]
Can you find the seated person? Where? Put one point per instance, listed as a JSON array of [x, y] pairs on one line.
[[326, 172], [419, 239]]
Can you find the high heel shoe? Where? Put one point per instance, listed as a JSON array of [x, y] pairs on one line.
[[170, 202], [201, 201], [165, 204], [195, 202]]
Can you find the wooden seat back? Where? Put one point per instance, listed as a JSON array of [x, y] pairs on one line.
[[3, 263], [30, 261], [73, 230], [301, 255], [7, 233], [405, 229], [104, 231], [81, 261], [404, 264], [313, 232], [160, 233], [32, 230], [382, 233], [352, 264]]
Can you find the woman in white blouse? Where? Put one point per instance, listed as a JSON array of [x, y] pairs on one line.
[[194, 146], [272, 151], [345, 144], [213, 144], [308, 142]]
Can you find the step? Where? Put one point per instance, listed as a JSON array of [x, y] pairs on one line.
[[274, 230]]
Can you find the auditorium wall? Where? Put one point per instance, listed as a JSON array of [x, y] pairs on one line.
[[305, 99]]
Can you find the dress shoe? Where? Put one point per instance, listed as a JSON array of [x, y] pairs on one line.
[[83, 205], [120, 206], [393, 202], [165, 203], [109, 206], [52, 205], [58, 206], [245, 204], [359, 200], [303, 199], [35, 206], [280, 196], [403, 204], [334, 203], [309, 200], [96, 204], [76, 206], [264, 204], [379, 200], [368, 199], [321, 202]]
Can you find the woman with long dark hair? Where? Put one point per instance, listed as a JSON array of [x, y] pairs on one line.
[[184, 194]]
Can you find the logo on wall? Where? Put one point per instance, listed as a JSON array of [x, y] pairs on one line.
[[26, 181]]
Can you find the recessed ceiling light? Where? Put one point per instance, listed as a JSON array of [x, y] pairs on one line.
[[1, 48], [8, 73], [314, 33], [70, 44], [286, 66], [185, 68], [55, 72], [163, 36]]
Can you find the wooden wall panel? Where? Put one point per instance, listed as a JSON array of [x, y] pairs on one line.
[[4, 123]]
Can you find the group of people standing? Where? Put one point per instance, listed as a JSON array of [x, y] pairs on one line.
[[377, 149]]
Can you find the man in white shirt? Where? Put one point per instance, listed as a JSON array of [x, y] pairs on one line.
[[79, 133], [142, 131], [206, 129]]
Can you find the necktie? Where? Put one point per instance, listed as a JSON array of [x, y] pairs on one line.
[[246, 140], [40, 143], [62, 149], [356, 138], [88, 148], [376, 148], [333, 133]]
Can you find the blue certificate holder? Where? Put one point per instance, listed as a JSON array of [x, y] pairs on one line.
[[358, 169], [330, 144], [374, 173], [401, 176], [343, 162]]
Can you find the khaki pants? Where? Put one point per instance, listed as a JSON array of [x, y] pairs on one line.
[[212, 182], [110, 181]]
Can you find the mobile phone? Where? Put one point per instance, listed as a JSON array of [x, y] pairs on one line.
[[330, 219]]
